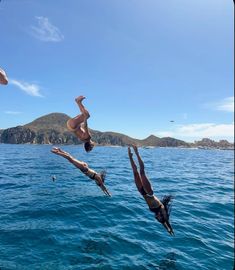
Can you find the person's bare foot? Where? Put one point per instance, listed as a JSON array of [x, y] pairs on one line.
[[135, 149], [79, 99]]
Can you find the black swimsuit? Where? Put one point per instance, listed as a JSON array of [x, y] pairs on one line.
[[152, 209], [156, 210], [89, 173]]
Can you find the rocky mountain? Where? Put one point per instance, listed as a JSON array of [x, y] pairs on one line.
[[206, 143], [51, 129], [48, 129]]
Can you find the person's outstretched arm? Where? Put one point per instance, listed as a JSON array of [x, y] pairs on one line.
[[105, 190]]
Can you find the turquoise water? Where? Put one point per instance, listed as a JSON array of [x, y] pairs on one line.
[[70, 224]]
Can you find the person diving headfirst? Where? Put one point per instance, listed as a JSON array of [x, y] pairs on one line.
[[161, 209], [83, 167]]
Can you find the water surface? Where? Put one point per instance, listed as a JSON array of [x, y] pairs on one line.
[[70, 224]]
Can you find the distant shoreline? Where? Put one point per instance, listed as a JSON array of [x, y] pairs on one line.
[[51, 130], [124, 146]]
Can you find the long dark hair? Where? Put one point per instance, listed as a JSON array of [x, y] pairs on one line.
[[88, 146], [102, 175], [167, 201]]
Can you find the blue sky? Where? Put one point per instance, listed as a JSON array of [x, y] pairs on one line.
[[140, 64]]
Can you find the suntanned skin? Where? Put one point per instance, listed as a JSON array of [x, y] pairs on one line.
[[142, 182], [78, 124], [82, 166], [3, 77]]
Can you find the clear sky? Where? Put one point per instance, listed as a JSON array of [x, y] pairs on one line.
[[140, 63]]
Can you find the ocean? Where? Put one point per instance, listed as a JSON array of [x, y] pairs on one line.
[[70, 224]]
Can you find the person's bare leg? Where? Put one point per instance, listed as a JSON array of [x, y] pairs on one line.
[[81, 106], [76, 121], [137, 178], [146, 184], [77, 163]]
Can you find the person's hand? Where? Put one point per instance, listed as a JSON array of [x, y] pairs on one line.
[[59, 152], [106, 192]]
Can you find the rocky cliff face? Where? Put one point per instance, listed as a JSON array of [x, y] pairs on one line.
[[171, 142], [49, 129], [21, 135], [208, 143], [17, 135]]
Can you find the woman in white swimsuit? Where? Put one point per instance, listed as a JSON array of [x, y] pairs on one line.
[[83, 167], [161, 209]]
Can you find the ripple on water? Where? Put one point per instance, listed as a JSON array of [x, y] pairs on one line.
[[69, 224]]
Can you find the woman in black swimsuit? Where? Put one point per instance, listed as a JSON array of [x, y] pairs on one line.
[[159, 208], [98, 177]]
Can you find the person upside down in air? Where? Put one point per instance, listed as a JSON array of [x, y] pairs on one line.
[[78, 125], [83, 167], [161, 209]]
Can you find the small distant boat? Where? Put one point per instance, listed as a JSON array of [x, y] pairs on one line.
[[149, 147]]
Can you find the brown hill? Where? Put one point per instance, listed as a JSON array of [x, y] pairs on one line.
[[51, 129]]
